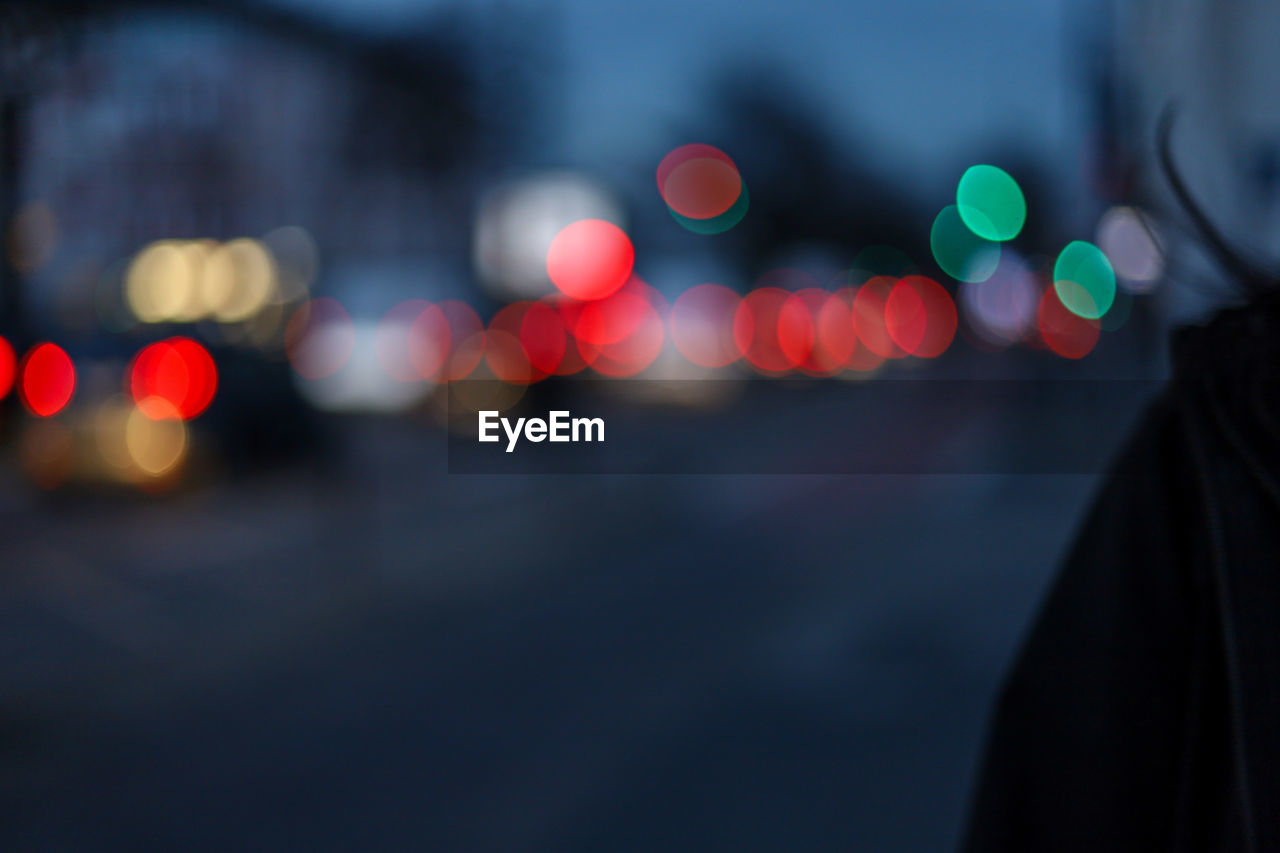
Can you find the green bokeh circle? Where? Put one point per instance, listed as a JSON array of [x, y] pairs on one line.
[[958, 251], [993, 193], [1084, 280]]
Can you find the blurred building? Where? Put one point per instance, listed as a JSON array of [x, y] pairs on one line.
[[217, 124]]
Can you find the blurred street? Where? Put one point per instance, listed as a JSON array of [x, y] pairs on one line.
[[401, 658], [868, 295]]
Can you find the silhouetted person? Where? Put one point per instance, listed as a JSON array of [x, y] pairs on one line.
[[1143, 713]]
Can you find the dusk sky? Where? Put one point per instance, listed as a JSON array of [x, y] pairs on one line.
[[924, 81]]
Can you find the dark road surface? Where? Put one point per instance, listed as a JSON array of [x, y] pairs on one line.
[[392, 658]]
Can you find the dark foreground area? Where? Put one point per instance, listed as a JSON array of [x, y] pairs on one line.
[[380, 655], [386, 656]]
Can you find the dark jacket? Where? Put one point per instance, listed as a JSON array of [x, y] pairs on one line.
[[1143, 712]]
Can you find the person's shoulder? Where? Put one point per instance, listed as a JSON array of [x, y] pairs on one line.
[[1226, 380], [1236, 342]]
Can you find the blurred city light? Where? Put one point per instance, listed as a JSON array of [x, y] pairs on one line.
[[8, 368], [590, 259], [108, 428], [608, 320], [545, 340], [869, 317], [717, 224], [283, 252], [759, 331], [546, 288], [429, 340], [47, 379], [1128, 238], [702, 188], [798, 333], [163, 283], [156, 439], [958, 251], [920, 316], [837, 340], [516, 225], [622, 335], [1062, 330], [837, 323], [702, 325], [186, 281], [1002, 310], [412, 341], [990, 203], [360, 382], [1084, 279], [237, 280], [173, 378]]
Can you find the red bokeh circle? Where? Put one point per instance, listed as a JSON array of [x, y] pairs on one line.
[[798, 331], [699, 181], [633, 352], [1062, 330], [758, 332], [543, 336], [836, 331], [590, 259], [920, 316], [174, 378], [869, 317], [47, 380], [8, 368]]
